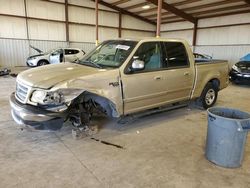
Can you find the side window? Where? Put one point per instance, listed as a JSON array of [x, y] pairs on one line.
[[75, 51], [70, 52], [176, 55], [56, 52], [66, 52], [150, 53]]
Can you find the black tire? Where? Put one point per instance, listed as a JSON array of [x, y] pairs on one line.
[[42, 62], [209, 95]]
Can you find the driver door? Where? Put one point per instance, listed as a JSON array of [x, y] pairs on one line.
[[146, 88]]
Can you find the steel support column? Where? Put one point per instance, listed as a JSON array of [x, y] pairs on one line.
[[67, 21], [195, 34], [27, 26], [96, 23], [120, 25], [158, 31]]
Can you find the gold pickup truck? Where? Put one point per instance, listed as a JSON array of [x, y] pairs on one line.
[[119, 78]]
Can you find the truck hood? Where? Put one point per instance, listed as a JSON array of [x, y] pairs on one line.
[[49, 75]]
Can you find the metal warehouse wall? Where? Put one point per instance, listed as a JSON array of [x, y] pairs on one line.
[[226, 37], [46, 27]]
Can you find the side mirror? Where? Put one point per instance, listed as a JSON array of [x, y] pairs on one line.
[[138, 65]]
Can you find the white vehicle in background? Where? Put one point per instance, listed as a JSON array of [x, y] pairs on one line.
[[54, 56]]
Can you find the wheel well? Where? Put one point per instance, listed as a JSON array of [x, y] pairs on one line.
[[107, 106], [215, 82], [43, 60]]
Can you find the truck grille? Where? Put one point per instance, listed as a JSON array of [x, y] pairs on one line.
[[21, 92]]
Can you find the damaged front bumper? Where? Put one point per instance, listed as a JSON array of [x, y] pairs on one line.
[[35, 117]]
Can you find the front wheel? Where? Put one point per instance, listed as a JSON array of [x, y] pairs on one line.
[[42, 62], [209, 96]]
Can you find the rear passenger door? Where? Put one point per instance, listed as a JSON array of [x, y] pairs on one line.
[[70, 55], [179, 75]]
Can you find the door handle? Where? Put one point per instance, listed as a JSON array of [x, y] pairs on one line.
[[158, 77], [186, 73]]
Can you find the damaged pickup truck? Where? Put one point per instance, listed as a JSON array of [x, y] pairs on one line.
[[118, 78]]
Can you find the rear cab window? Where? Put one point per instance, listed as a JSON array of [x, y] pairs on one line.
[[175, 55], [161, 56]]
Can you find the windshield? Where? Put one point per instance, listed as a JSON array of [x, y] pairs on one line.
[[50, 51], [109, 54]]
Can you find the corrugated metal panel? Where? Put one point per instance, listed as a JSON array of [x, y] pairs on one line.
[[80, 33], [131, 22], [86, 47], [106, 33], [88, 3], [136, 34], [108, 18], [187, 35], [224, 35], [177, 25], [228, 43], [46, 10], [15, 52], [43, 30], [15, 7], [81, 15], [230, 53], [60, 1], [233, 19], [12, 27]]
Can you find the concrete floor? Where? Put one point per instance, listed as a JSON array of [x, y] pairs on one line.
[[162, 150]]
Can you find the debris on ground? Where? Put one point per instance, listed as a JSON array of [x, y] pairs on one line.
[[13, 75], [107, 143], [4, 71], [84, 131]]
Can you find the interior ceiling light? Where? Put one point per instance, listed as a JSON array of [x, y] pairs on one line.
[[146, 7]]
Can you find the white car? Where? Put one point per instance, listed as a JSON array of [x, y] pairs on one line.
[[54, 56]]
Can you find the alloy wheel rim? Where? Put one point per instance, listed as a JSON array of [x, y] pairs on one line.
[[210, 96]]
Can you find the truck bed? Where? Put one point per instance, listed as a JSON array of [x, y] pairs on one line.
[[207, 70], [201, 61]]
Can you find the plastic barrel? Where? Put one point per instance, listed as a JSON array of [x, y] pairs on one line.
[[226, 136]]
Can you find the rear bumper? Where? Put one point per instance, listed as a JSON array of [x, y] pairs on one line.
[[35, 117]]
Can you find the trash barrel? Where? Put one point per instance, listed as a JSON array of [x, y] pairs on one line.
[[226, 136]]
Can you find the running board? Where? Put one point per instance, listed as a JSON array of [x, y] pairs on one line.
[[132, 117]]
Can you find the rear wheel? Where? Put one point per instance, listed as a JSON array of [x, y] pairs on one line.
[[209, 96], [42, 62]]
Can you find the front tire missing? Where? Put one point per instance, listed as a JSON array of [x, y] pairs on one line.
[[209, 95]]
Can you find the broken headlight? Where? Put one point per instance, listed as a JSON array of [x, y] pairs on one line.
[[235, 68], [57, 97]]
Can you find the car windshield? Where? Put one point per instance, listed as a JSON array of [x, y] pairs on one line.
[[109, 54], [50, 51]]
